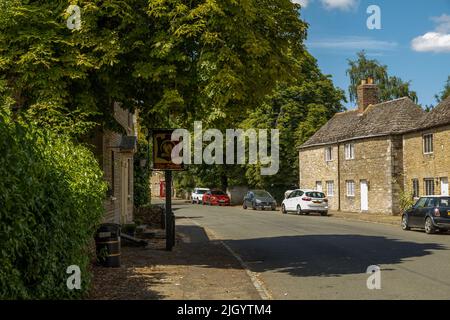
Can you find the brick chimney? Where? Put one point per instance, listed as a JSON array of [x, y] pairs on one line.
[[367, 94]]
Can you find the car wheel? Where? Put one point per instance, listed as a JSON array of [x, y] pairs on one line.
[[405, 225], [429, 228], [283, 209], [253, 206], [324, 214], [244, 206], [299, 210]]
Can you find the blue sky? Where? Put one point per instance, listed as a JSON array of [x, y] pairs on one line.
[[414, 40]]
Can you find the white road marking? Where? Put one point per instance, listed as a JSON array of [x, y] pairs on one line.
[[263, 292]]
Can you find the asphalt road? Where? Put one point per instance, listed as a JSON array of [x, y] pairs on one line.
[[313, 257]]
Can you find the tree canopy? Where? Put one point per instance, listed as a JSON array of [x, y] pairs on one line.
[[175, 60], [391, 87], [445, 93]]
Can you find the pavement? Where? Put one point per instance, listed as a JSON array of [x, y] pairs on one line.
[[198, 268], [314, 257]]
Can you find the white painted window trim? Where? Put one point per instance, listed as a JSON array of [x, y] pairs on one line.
[[349, 150], [330, 186], [350, 190]]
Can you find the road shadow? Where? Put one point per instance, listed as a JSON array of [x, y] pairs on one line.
[[299, 256], [327, 255], [311, 255]]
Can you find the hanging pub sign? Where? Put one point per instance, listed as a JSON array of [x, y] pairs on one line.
[[162, 150]]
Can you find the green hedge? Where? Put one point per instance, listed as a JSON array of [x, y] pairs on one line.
[[51, 201]]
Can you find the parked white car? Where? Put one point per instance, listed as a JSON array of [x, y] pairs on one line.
[[305, 202], [197, 195]]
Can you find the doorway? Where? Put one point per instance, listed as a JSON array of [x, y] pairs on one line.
[[444, 186], [364, 196]]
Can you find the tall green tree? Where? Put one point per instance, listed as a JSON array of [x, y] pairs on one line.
[[445, 93], [391, 87], [297, 111], [175, 60]]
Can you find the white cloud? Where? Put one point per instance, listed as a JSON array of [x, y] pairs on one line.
[[340, 4], [443, 23], [353, 43], [331, 4], [432, 42], [303, 3], [435, 41]]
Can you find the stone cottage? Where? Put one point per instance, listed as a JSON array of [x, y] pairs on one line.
[[357, 157], [426, 153], [115, 152]]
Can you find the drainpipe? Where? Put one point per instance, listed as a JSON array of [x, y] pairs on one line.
[[339, 176]]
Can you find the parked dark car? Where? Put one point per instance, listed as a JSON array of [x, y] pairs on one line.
[[430, 213], [259, 199]]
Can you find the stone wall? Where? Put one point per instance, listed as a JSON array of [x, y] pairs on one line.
[[376, 160], [418, 165], [107, 151], [314, 168]]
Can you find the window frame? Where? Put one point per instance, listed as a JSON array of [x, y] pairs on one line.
[[353, 184], [319, 183], [328, 184], [430, 149], [416, 188], [328, 154], [425, 185], [349, 151]]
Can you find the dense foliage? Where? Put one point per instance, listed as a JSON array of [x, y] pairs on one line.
[[51, 200], [445, 93], [391, 87], [175, 60], [297, 109]]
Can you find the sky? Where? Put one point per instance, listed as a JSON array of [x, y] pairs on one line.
[[414, 40]]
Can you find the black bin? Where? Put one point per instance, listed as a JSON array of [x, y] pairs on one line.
[[107, 245]]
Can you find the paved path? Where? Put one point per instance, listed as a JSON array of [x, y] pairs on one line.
[[313, 257]]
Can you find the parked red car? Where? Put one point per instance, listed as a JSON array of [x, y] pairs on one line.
[[216, 197]]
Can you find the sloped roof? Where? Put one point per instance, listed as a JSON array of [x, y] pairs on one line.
[[392, 117], [440, 115]]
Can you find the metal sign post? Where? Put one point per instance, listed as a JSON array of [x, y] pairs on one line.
[[170, 218], [162, 160]]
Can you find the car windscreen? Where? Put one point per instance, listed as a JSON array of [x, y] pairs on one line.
[[262, 194], [444, 202], [320, 195], [218, 193], [202, 191]]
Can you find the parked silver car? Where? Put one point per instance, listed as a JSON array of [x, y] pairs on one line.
[[305, 202]]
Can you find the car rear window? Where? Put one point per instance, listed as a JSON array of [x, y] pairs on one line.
[[262, 194], [201, 191], [217, 192], [320, 195], [444, 202]]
